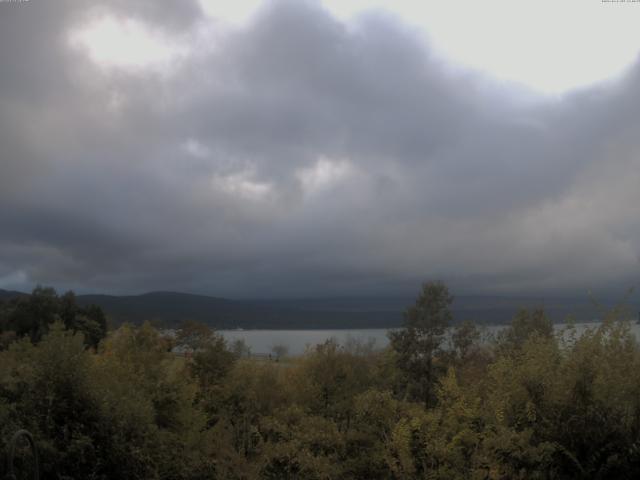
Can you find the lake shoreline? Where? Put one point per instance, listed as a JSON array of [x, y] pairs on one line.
[[298, 340]]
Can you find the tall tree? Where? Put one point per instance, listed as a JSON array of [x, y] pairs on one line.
[[419, 341]]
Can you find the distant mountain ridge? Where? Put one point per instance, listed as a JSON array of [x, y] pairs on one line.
[[170, 308], [7, 294]]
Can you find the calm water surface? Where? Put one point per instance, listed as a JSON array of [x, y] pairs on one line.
[[296, 341]]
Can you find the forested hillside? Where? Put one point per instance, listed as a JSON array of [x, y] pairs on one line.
[[171, 308], [526, 405]]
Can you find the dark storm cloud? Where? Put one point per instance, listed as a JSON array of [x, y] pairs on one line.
[[299, 155]]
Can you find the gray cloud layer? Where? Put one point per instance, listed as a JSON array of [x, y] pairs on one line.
[[301, 156]]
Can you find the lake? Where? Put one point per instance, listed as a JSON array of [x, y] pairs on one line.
[[296, 341]]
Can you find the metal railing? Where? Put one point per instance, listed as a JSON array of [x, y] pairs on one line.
[[11, 452]]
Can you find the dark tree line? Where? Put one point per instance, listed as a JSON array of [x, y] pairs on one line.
[[31, 316]]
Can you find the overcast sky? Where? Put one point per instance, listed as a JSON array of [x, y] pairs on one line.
[[300, 148]]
